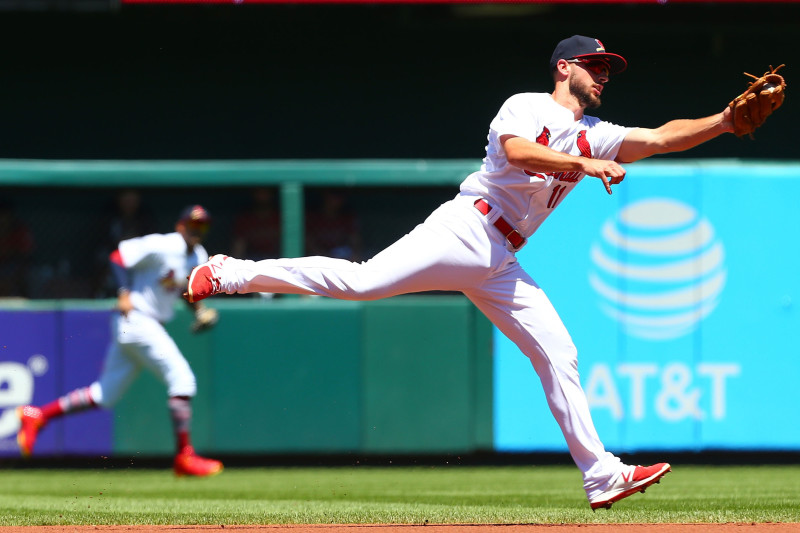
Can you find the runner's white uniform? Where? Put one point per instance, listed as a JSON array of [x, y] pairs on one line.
[[458, 249], [158, 265]]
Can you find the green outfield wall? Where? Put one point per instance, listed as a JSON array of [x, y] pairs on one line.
[[410, 374]]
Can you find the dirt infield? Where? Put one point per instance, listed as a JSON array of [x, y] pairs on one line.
[[454, 528]]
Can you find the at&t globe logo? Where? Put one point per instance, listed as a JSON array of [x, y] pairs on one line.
[[658, 269]]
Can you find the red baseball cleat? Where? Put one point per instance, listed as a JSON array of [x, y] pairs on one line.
[[30, 422], [629, 482], [188, 463], [204, 279]]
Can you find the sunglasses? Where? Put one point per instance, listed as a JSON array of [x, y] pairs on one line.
[[600, 68]]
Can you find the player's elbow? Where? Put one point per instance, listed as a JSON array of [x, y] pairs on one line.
[[514, 161], [515, 154], [640, 144], [662, 144], [519, 158]]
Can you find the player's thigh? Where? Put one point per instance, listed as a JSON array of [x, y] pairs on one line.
[[433, 256], [521, 310], [154, 349], [166, 361], [119, 371]]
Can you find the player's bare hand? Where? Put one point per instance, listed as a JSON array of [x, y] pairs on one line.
[[124, 305], [610, 172]]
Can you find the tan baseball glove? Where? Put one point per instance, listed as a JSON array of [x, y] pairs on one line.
[[204, 318], [750, 109]]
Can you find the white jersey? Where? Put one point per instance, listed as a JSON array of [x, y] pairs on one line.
[[527, 198], [158, 265]]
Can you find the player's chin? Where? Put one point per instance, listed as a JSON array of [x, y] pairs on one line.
[[594, 101], [590, 99]]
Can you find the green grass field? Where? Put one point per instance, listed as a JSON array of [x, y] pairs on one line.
[[400, 495]]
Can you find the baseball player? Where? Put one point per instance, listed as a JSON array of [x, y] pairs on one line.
[[151, 272], [541, 145]]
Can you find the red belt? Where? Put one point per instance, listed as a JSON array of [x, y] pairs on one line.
[[512, 234]]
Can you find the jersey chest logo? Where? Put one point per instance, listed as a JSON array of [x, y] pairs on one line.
[[168, 282], [544, 137], [570, 177], [583, 144]]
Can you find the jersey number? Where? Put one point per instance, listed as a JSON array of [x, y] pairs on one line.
[[555, 196]]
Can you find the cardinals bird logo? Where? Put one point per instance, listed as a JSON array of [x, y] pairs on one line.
[[600, 47], [544, 140], [168, 282], [583, 144], [544, 137]]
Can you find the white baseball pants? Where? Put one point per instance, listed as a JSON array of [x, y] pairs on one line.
[[456, 249], [140, 341]]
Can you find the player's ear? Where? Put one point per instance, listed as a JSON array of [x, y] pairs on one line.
[[561, 71]]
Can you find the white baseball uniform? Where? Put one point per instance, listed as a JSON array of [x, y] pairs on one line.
[[158, 265], [458, 248]]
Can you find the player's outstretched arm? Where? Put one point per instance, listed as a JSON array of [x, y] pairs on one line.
[[674, 136]]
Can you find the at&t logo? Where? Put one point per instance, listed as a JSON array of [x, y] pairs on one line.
[[658, 269]]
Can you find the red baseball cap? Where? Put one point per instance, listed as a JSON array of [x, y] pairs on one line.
[[581, 47]]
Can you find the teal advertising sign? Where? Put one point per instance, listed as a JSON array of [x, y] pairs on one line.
[[679, 291]]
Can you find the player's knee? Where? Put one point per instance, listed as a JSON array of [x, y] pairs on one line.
[[187, 386], [185, 390], [368, 293], [101, 397], [370, 286]]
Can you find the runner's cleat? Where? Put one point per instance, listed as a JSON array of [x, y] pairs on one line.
[[188, 463], [30, 422]]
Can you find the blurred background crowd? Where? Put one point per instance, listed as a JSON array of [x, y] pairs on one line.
[[56, 245]]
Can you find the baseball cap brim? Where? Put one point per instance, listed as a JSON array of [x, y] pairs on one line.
[[616, 63]]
